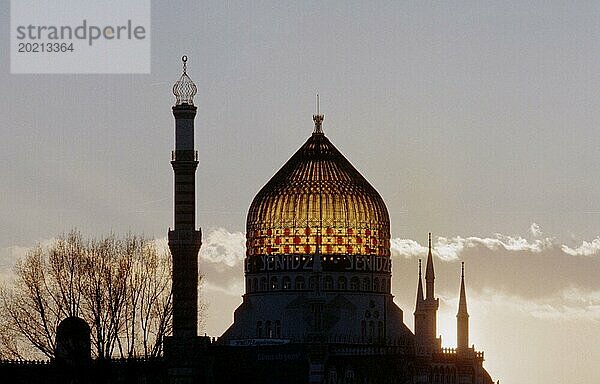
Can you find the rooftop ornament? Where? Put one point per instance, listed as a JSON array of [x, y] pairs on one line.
[[184, 89]]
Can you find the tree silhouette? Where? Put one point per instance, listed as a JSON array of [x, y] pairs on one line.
[[120, 286]]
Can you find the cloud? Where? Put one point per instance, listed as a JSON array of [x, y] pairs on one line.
[[451, 248], [570, 304], [585, 249], [221, 246], [549, 278], [406, 248]]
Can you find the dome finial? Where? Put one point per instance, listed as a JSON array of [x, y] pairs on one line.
[[318, 119], [184, 89]]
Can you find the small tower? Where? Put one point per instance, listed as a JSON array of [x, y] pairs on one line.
[[429, 274], [426, 310], [462, 317], [420, 315]]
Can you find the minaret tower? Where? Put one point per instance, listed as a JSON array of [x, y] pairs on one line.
[[420, 315], [462, 317], [426, 310], [185, 239]]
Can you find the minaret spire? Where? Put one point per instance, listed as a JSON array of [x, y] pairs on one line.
[[462, 317], [429, 273], [419, 289], [318, 119]]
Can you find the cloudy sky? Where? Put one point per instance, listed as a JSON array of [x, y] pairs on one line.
[[476, 121]]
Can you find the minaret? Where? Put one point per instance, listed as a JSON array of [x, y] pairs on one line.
[[431, 304], [420, 315], [185, 239], [462, 317], [429, 273]]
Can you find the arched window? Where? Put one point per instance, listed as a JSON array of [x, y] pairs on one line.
[[287, 282], [380, 334], [299, 282], [248, 285], [255, 285], [342, 283], [366, 284], [263, 283], [328, 283], [268, 330], [363, 329], [354, 283], [274, 283], [259, 333], [383, 284], [376, 284], [371, 329], [277, 329]]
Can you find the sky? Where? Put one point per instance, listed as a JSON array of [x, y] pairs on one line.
[[476, 121]]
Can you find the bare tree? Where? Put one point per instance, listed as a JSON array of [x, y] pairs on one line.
[[120, 286]]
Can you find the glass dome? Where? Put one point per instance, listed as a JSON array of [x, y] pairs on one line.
[[318, 203]]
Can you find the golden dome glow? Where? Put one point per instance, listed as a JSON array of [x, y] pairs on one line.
[[318, 203]]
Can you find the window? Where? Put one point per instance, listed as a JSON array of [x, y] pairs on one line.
[[255, 285], [328, 282], [376, 284], [287, 282], [263, 283], [363, 329], [366, 284], [380, 331], [354, 283], [342, 282], [278, 329], [299, 282], [268, 330], [259, 329], [274, 283]]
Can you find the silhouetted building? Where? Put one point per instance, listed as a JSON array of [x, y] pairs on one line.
[[317, 306]]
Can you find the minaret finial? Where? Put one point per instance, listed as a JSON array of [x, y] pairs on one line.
[[318, 119], [429, 241], [462, 274], [184, 89]]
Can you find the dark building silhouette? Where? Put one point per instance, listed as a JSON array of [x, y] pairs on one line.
[[317, 307]]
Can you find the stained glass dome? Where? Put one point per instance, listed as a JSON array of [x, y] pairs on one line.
[[318, 203]]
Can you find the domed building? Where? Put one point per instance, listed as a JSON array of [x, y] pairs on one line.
[[317, 264], [318, 306], [318, 300]]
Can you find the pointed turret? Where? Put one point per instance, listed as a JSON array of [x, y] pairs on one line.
[[420, 317], [419, 289], [429, 273], [462, 317]]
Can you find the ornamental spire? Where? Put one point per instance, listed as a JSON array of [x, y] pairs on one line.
[[462, 317], [462, 303], [429, 272], [318, 119], [184, 89], [419, 289]]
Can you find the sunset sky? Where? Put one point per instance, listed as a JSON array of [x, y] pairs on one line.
[[475, 121]]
